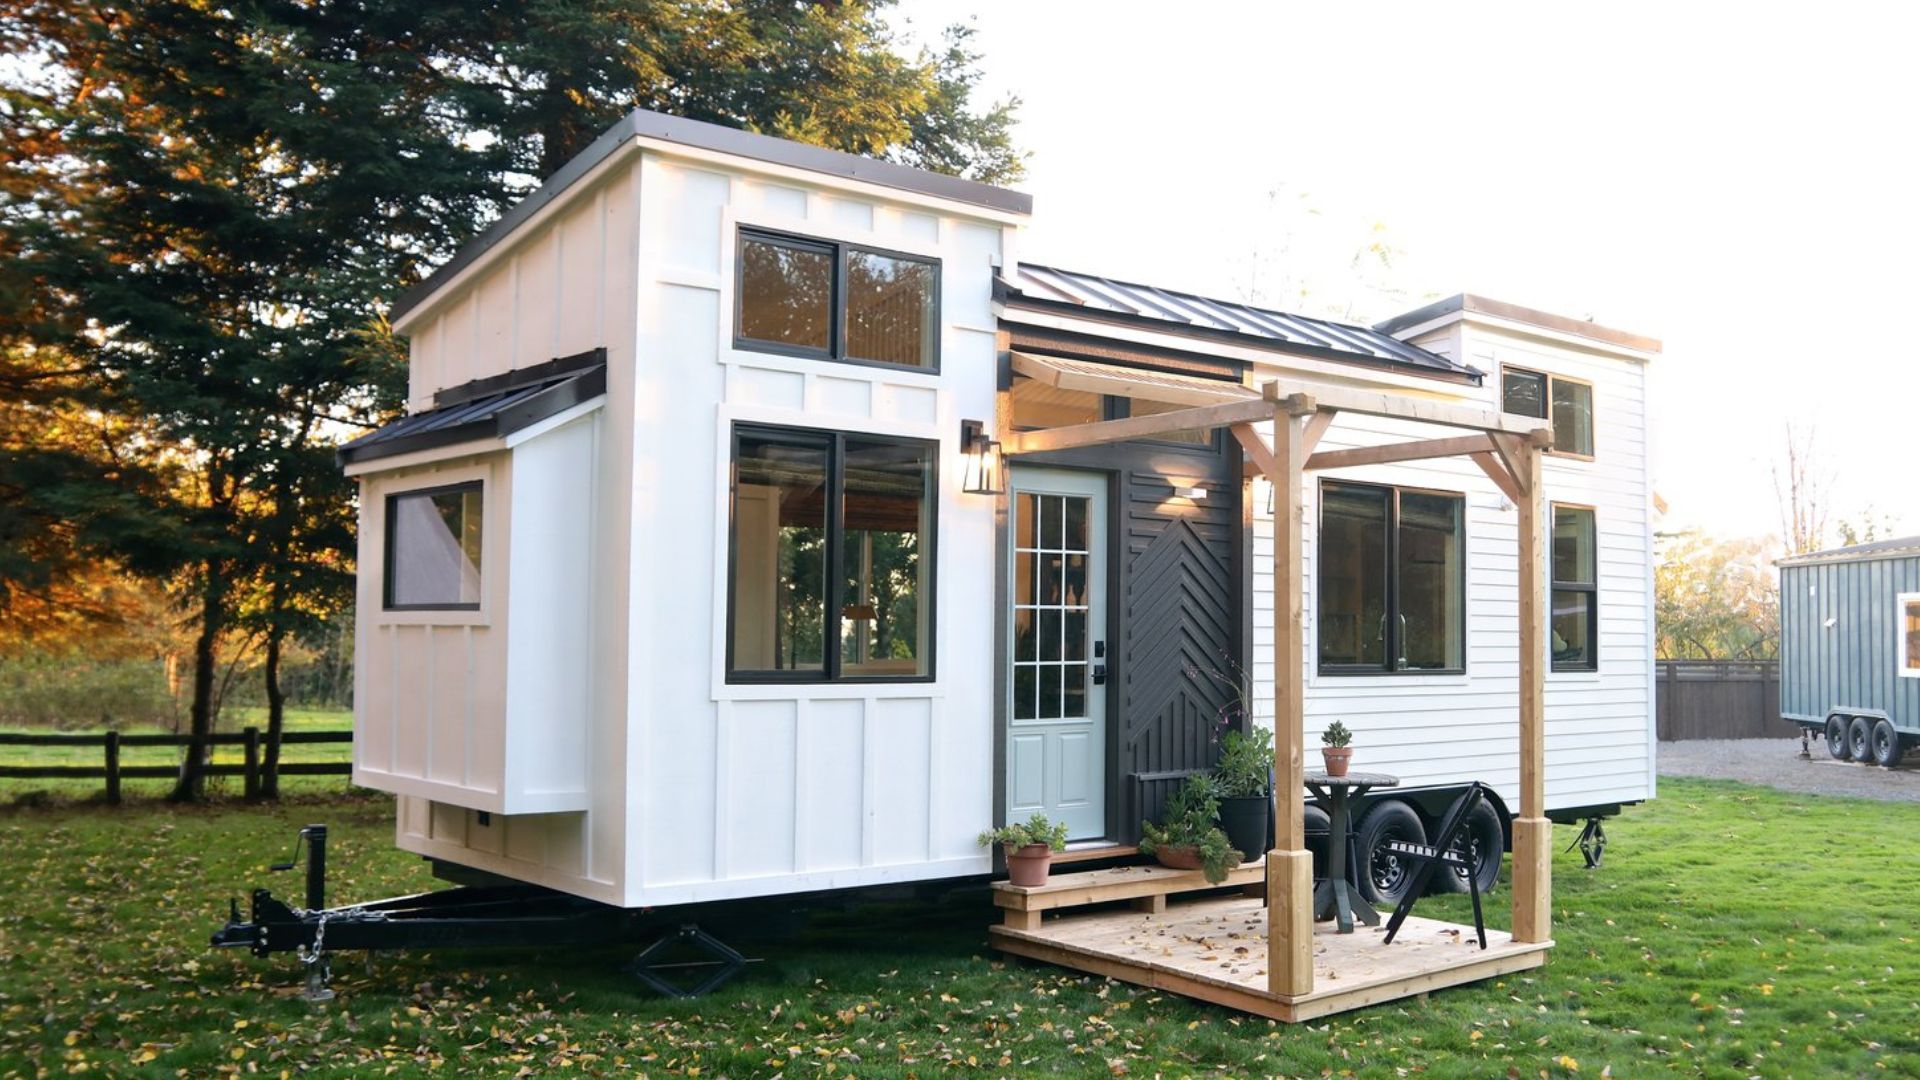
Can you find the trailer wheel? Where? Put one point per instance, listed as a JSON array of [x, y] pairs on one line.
[[1387, 877], [1886, 744], [1837, 738], [1860, 740], [1483, 836]]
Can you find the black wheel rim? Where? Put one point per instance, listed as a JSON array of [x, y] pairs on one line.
[[1385, 869], [1836, 739], [1880, 744], [1861, 745]]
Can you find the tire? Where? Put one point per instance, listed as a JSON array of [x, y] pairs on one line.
[[1488, 840], [1837, 739], [1317, 827], [1886, 745], [1860, 740], [1385, 878]]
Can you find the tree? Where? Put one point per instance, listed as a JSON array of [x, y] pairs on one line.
[[1801, 488], [1715, 599]]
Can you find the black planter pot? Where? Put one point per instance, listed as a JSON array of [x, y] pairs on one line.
[[1244, 819]]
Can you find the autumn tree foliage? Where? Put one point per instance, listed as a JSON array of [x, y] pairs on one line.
[[1715, 599]]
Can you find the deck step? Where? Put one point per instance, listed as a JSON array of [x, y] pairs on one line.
[[1147, 886]]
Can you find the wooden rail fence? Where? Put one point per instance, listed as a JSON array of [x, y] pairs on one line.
[[1718, 699], [112, 771]]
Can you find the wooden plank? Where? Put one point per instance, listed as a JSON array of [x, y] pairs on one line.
[[1136, 427], [1289, 864], [1401, 406], [1255, 446], [1497, 472], [1089, 854], [1532, 832], [1317, 426], [1121, 883], [1418, 450]]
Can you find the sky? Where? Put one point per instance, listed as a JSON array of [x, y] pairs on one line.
[[1739, 182]]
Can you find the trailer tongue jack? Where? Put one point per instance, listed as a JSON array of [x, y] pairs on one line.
[[469, 916]]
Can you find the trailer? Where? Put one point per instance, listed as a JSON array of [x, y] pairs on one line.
[[764, 524], [1850, 648]]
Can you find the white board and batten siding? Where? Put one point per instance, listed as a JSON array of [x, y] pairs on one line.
[[1440, 728]]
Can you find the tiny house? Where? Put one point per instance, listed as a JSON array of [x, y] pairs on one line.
[[704, 565], [1850, 648]]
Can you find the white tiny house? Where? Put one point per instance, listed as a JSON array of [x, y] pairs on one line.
[[681, 581]]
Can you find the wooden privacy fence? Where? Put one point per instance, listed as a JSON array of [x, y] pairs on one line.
[[112, 771], [1718, 699]]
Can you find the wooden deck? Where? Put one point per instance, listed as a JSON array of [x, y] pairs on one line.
[[1216, 950]]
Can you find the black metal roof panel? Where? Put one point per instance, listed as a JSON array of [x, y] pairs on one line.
[[1901, 548], [1181, 312], [486, 409]]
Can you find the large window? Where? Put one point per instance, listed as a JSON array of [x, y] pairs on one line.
[[1907, 615], [1567, 403], [832, 557], [1391, 580], [837, 302], [1576, 594], [433, 549]]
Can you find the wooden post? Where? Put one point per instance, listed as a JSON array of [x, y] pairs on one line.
[[252, 774], [1289, 864], [1532, 832], [112, 743]]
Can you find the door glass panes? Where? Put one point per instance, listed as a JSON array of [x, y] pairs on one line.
[[1050, 609], [1353, 576], [786, 293], [1572, 417], [1524, 393], [890, 309], [780, 553], [884, 512], [1429, 618], [433, 549]]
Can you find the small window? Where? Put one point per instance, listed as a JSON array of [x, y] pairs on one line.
[[1908, 615], [831, 557], [1566, 403], [836, 302], [1576, 599], [1392, 582], [1202, 437], [1037, 405], [433, 549]]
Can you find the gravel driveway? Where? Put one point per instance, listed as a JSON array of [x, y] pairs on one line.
[[1777, 763]]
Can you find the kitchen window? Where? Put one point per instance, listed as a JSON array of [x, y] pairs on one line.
[[1567, 404], [835, 301], [831, 557], [1392, 580]]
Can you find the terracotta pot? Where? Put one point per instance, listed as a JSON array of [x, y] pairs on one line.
[[1182, 857], [1027, 866], [1337, 758]]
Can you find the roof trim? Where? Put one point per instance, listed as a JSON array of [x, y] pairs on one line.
[[1470, 304], [717, 138], [1905, 547], [557, 386]]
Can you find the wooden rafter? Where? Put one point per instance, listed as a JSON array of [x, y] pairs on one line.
[[1497, 472], [1137, 427], [1402, 407], [1419, 450]]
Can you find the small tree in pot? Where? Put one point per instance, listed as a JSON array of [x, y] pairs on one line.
[[1244, 777], [1029, 847], [1336, 748], [1187, 837]]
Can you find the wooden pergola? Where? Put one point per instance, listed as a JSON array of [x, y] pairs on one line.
[[1508, 449]]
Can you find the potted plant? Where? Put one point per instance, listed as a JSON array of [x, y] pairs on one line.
[[1336, 748], [1187, 837], [1029, 847], [1243, 775]]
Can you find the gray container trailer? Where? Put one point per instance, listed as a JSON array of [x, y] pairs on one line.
[[1850, 648]]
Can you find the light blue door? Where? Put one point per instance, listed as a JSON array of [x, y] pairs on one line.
[[1056, 714]]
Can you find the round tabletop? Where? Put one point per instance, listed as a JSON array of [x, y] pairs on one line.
[[1353, 779]]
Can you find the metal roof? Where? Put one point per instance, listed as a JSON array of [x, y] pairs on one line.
[[1901, 548], [698, 134], [486, 409], [1468, 303], [1186, 313]]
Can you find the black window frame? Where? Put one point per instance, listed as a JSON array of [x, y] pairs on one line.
[[1591, 588], [386, 556], [1389, 665], [835, 442], [836, 350], [1546, 400]]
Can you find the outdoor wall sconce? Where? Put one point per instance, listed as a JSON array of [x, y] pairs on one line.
[[1191, 491], [984, 474]]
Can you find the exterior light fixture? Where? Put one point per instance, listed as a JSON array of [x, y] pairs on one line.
[[1191, 491], [985, 474]]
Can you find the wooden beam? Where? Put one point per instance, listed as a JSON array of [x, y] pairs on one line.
[[1137, 427], [1289, 864], [1501, 478], [1317, 425], [1532, 832], [1402, 406], [1168, 387], [1419, 450], [1256, 448]]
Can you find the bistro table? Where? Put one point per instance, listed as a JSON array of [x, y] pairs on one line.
[[1344, 898]]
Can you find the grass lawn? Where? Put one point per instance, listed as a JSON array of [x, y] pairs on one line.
[[1733, 932], [231, 720]]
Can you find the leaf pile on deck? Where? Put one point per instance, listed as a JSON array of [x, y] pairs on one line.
[[1711, 944]]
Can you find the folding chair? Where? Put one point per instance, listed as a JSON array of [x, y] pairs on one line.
[[1429, 858]]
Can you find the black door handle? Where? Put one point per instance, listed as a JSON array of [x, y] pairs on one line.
[[1099, 674]]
